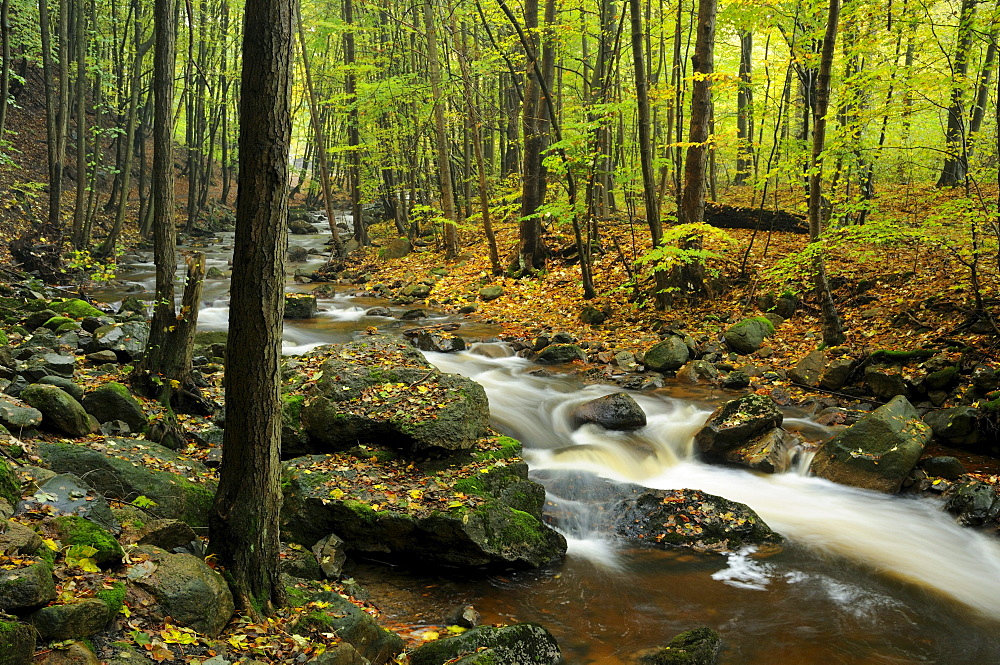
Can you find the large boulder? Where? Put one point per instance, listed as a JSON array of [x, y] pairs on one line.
[[521, 643], [689, 518], [438, 342], [618, 411], [15, 538], [59, 410], [878, 452], [809, 370], [957, 426], [336, 614], [488, 517], [559, 354], [185, 587], [748, 335], [382, 390], [737, 423], [113, 401], [667, 356], [886, 382], [10, 484], [76, 308], [127, 468]]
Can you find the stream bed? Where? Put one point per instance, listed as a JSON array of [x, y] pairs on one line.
[[863, 578]]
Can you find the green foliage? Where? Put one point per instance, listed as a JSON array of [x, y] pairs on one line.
[[674, 250], [81, 260]]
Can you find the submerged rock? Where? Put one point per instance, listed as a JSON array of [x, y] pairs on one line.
[[692, 647], [522, 643]]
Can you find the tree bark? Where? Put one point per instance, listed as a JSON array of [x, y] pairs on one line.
[[833, 329], [244, 519], [353, 134], [80, 211], [5, 73], [956, 164], [441, 143], [744, 113]]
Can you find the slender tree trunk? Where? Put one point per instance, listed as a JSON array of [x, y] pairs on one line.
[[245, 517], [692, 210], [353, 135], [649, 198], [319, 139], [5, 72], [983, 91], [80, 211], [833, 330], [744, 113], [956, 164], [441, 143]]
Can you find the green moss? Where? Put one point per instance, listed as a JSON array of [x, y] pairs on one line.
[[76, 308], [118, 388], [291, 409], [295, 597], [509, 449], [10, 487], [901, 356], [470, 486], [766, 322], [56, 321], [76, 530], [199, 503], [362, 510], [47, 555], [520, 529], [316, 621], [114, 597], [3, 339]]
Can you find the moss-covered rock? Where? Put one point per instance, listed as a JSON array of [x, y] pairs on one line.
[[332, 613], [27, 586], [71, 621], [668, 355], [383, 391], [56, 321], [59, 410], [692, 647], [17, 643], [76, 308], [522, 643], [75, 530], [114, 597], [119, 471], [113, 401], [737, 423], [878, 452], [10, 485], [748, 335], [558, 354]]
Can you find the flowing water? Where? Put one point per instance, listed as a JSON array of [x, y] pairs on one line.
[[863, 578]]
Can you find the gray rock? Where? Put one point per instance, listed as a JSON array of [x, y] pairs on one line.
[[837, 373], [735, 423], [505, 531], [945, 467], [885, 383], [697, 371], [878, 452], [167, 534], [16, 415], [16, 538], [102, 357], [113, 401], [186, 588], [126, 654], [66, 494], [593, 316], [770, 452], [429, 340], [618, 411], [667, 356], [984, 379], [957, 426], [59, 410], [558, 354], [127, 340], [488, 293], [396, 249], [75, 390], [331, 555], [415, 291], [736, 380], [26, 587], [339, 654], [119, 472], [71, 621], [297, 254], [300, 306], [974, 503], [46, 364], [378, 311], [809, 370], [301, 227], [748, 335], [522, 643]]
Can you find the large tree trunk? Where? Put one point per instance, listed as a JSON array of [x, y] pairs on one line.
[[5, 73], [833, 330], [80, 211], [244, 519], [744, 113], [353, 134]]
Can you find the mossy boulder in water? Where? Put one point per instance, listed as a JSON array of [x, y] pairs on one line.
[[383, 391], [878, 452], [692, 647], [736, 424], [558, 354], [480, 513], [522, 643]]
